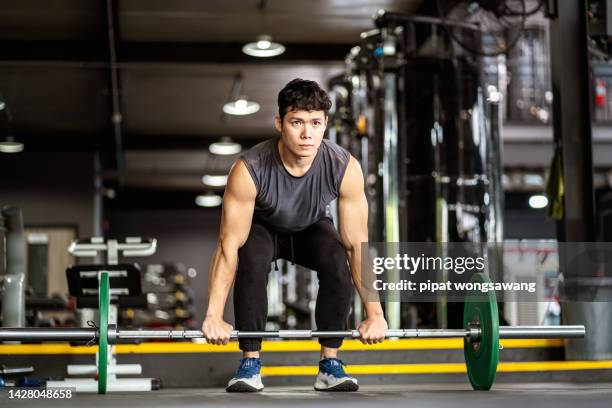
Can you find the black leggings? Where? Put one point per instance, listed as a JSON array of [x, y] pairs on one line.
[[317, 247]]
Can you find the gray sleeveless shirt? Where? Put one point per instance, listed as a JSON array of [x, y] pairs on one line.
[[288, 203]]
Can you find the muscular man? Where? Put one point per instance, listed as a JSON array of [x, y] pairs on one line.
[[276, 206]]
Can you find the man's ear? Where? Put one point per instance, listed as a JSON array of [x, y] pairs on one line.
[[278, 123]]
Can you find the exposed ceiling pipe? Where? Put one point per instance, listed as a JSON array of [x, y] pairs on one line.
[[116, 117]]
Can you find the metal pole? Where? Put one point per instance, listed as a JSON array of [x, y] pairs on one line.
[[112, 27], [289, 334], [15, 370], [505, 332], [541, 332], [45, 334], [571, 83], [390, 192], [14, 280]]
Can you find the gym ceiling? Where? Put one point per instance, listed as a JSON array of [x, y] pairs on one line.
[[177, 62]]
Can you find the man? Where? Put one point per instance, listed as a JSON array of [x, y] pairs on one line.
[[275, 206]]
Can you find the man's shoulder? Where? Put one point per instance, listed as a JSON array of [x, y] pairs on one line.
[[337, 150], [261, 148], [259, 159]]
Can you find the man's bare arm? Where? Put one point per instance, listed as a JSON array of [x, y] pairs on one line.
[[237, 214], [353, 214]]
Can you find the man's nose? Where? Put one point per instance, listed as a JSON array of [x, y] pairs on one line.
[[307, 132]]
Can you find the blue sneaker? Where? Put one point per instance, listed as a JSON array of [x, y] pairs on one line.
[[247, 377], [333, 378]]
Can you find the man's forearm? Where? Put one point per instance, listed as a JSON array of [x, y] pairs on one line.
[[370, 300], [220, 278]]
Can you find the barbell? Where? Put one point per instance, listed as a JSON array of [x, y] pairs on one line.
[[92, 335], [481, 334]]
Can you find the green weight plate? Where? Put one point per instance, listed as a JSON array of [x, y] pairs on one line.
[[481, 357], [103, 296]]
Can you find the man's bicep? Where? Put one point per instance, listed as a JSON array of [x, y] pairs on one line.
[[238, 205], [353, 207]]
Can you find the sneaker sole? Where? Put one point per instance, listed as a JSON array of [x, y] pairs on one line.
[[347, 386], [241, 386]]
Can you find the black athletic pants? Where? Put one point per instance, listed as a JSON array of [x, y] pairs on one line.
[[317, 247]]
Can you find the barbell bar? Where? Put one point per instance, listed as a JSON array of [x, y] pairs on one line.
[[472, 333]]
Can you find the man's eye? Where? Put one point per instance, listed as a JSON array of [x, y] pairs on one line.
[[295, 123], [316, 123]]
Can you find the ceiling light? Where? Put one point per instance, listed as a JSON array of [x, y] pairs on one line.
[[209, 200], [263, 47], [214, 180], [538, 201], [9, 145], [263, 44], [225, 147], [2, 104], [241, 106]]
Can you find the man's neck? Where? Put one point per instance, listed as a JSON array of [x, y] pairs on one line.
[[296, 166]]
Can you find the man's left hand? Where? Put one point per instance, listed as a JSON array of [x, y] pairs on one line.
[[373, 330]]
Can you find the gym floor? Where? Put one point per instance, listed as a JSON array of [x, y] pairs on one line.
[[556, 395]]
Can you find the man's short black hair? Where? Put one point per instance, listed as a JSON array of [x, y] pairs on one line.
[[300, 94]]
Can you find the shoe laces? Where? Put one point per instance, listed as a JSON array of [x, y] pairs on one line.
[[248, 367], [333, 366]]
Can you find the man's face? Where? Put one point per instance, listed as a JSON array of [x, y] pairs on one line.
[[302, 131]]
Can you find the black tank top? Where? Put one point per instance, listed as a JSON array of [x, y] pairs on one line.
[[288, 203]]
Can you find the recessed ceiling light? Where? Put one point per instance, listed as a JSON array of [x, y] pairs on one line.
[[225, 147], [10, 146], [264, 47], [241, 106], [209, 200], [214, 180], [538, 201]]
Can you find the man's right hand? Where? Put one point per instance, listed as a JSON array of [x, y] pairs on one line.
[[216, 330]]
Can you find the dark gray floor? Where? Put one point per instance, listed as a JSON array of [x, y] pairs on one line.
[[554, 395]]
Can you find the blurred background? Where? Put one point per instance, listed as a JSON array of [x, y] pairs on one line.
[[122, 118]]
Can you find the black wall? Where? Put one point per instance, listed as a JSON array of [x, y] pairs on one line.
[[52, 189]]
